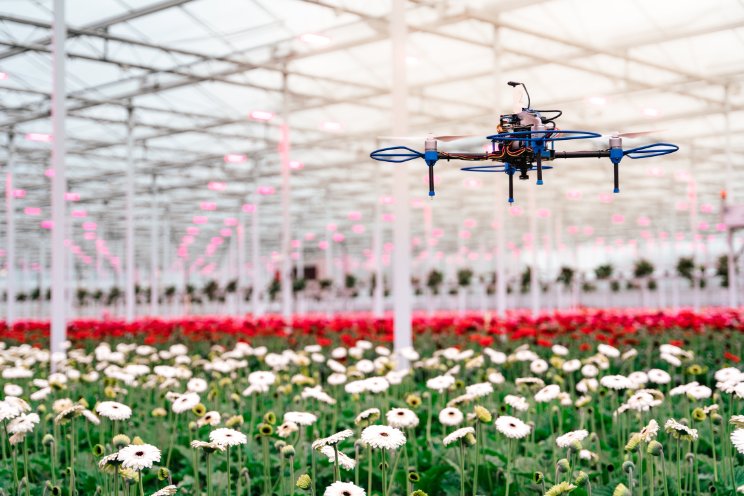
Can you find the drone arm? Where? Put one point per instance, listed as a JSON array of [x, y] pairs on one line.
[[583, 154]]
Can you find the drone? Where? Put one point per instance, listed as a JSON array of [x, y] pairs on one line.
[[524, 142]]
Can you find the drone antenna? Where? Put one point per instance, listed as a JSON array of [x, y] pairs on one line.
[[514, 84]]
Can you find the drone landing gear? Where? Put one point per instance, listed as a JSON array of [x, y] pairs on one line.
[[539, 167], [510, 172]]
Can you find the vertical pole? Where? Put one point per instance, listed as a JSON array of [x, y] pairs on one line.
[[240, 234], [129, 296], [286, 263], [154, 249], [534, 280], [59, 114], [256, 259], [165, 263], [673, 248], [500, 197], [378, 303], [730, 259], [329, 265], [692, 196], [10, 277], [402, 337]]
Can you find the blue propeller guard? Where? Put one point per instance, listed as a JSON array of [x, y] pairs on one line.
[[389, 155]]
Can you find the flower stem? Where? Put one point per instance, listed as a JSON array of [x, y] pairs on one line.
[[475, 468], [462, 468]]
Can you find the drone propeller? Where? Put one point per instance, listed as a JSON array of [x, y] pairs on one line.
[[445, 138], [634, 134]]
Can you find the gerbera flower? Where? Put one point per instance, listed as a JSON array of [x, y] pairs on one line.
[[548, 393], [286, 429], [113, 410], [166, 491], [185, 402], [589, 370], [197, 385], [451, 416], [539, 366], [139, 456], [441, 383], [737, 439], [300, 418], [568, 438], [496, 378], [208, 447], [383, 437], [339, 488], [227, 437], [109, 461], [608, 351], [616, 382], [367, 416], [333, 439], [479, 390], [737, 421], [458, 435], [262, 378], [658, 376], [572, 365], [517, 402], [402, 418], [512, 427], [649, 432], [344, 461], [680, 431], [210, 418], [699, 392], [23, 424]]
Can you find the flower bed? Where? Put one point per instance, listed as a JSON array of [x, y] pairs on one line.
[[583, 403]]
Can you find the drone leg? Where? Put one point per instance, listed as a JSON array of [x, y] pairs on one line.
[[431, 180], [617, 178], [511, 188], [539, 169]]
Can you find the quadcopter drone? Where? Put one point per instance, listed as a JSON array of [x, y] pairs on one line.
[[525, 140]]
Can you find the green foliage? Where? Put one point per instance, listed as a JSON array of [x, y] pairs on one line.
[[642, 268], [566, 276], [604, 272], [434, 280], [464, 277], [686, 269]]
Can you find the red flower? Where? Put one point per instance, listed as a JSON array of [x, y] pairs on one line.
[[730, 356]]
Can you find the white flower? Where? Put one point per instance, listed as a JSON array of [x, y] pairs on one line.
[[589, 370], [571, 365], [458, 435], [649, 432], [138, 456], [728, 374], [185, 402], [287, 429], [402, 418], [441, 383], [699, 392], [365, 366], [344, 461], [496, 378], [512, 427], [568, 438], [496, 357], [336, 379], [262, 378], [682, 389], [737, 439], [366, 415], [671, 359], [679, 430], [638, 378], [113, 410], [333, 439], [539, 366], [210, 418], [300, 418], [383, 436], [451, 416], [23, 424], [616, 382], [608, 351], [166, 491], [196, 385], [559, 350], [227, 437], [479, 390], [548, 393], [658, 376], [339, 488], [376, 384], [517, 402], [13, 390]]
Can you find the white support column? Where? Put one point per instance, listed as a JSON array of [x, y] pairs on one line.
[[500, 200], [59, 114], [256, 306], [730, 194], [534, 280], [240, 235], [402, 296], [129, 296], [378, 295], [10, 235], [154, 250], [286, 251]]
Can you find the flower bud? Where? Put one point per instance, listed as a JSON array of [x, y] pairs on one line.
[[538, 477], [121, 440], [698, 414], [163, 473], [270, 418], [304, 482], [581, 478], [655, 448], [482, 414], [288, 451], [621, 490], [98, 450], [633, 442], [628, 467], [563, 465]]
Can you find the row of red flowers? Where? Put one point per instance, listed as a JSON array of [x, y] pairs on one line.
[[611, 326]]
